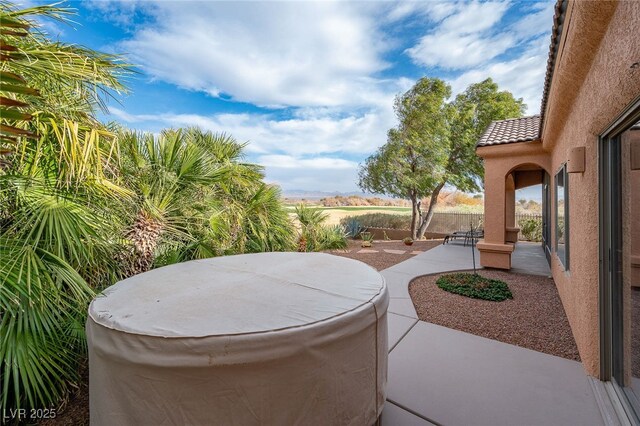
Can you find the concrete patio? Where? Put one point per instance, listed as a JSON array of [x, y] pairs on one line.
[[438, 375]]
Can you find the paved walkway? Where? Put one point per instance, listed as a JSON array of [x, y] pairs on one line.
[[438, 375]]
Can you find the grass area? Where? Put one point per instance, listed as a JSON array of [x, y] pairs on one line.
[[356, 208], [475, 286], [360, 208], [335, 215]]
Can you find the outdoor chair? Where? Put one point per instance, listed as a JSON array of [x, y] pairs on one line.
[[467, 236], [454, 236]]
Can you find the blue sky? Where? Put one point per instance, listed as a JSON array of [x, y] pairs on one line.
[[309, 85]]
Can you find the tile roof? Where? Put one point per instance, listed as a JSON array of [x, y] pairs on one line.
[[510, 131], [529, 128], [556, 33]]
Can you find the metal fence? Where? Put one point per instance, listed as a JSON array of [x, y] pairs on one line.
[[448, 222]]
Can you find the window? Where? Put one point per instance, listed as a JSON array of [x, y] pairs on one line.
[[562, 217]]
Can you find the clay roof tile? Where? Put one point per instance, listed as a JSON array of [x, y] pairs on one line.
[[513, 130]]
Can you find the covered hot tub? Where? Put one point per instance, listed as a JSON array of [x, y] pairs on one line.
[[269, 339]]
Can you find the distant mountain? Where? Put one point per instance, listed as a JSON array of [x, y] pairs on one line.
[[310, 195]]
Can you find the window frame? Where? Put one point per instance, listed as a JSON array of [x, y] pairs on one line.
[[564, 260], [611, 306]]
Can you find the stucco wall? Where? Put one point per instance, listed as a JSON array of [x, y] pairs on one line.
[[499, 163], [593, 82]]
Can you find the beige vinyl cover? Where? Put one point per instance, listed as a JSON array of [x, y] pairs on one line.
[[260, 339]]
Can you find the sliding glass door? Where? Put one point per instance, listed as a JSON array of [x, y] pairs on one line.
[[620, 261]]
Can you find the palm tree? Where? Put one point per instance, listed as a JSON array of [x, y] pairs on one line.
[[41, 79], [54, 244], [315, 235], [80, 200], [55, 196], [195, 198], [252, 221]]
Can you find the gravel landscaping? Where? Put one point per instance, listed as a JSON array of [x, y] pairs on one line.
[[533, 319], [377, 257]]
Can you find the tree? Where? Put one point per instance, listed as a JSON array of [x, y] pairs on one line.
[[195, 198], [434, 144], [412, 162], [314, 234], [42, 80], [54, 197], [76, 196]]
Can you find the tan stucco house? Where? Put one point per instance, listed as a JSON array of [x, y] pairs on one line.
[[584, 149]]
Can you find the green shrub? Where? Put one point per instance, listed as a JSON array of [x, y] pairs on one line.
[[475, 286], [380, 220], [531, 229], [331, 238], [315, 235]]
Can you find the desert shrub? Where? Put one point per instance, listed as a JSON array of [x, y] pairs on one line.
[[355, 200], [475, 286], [381, 220], [531, 229], [458, 199]]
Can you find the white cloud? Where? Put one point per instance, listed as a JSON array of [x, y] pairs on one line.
[[120, 13], [290, 162], [473, 34], [320, 173], [463, 38], [536, 23], [353, 134], [328, 180], [265, 53], [522, 76], [297, 153], [457, 51], [321, 60]]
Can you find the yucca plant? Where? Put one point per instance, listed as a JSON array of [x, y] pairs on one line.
[[332, 237]]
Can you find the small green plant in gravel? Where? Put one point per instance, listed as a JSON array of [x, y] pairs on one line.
[[475, 286], [367, 239]]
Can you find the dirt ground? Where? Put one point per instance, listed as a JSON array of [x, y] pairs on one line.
[[75, 411], [377, 257], [533, 319]]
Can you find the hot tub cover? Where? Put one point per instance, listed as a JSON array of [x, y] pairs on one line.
[[270, 338]]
